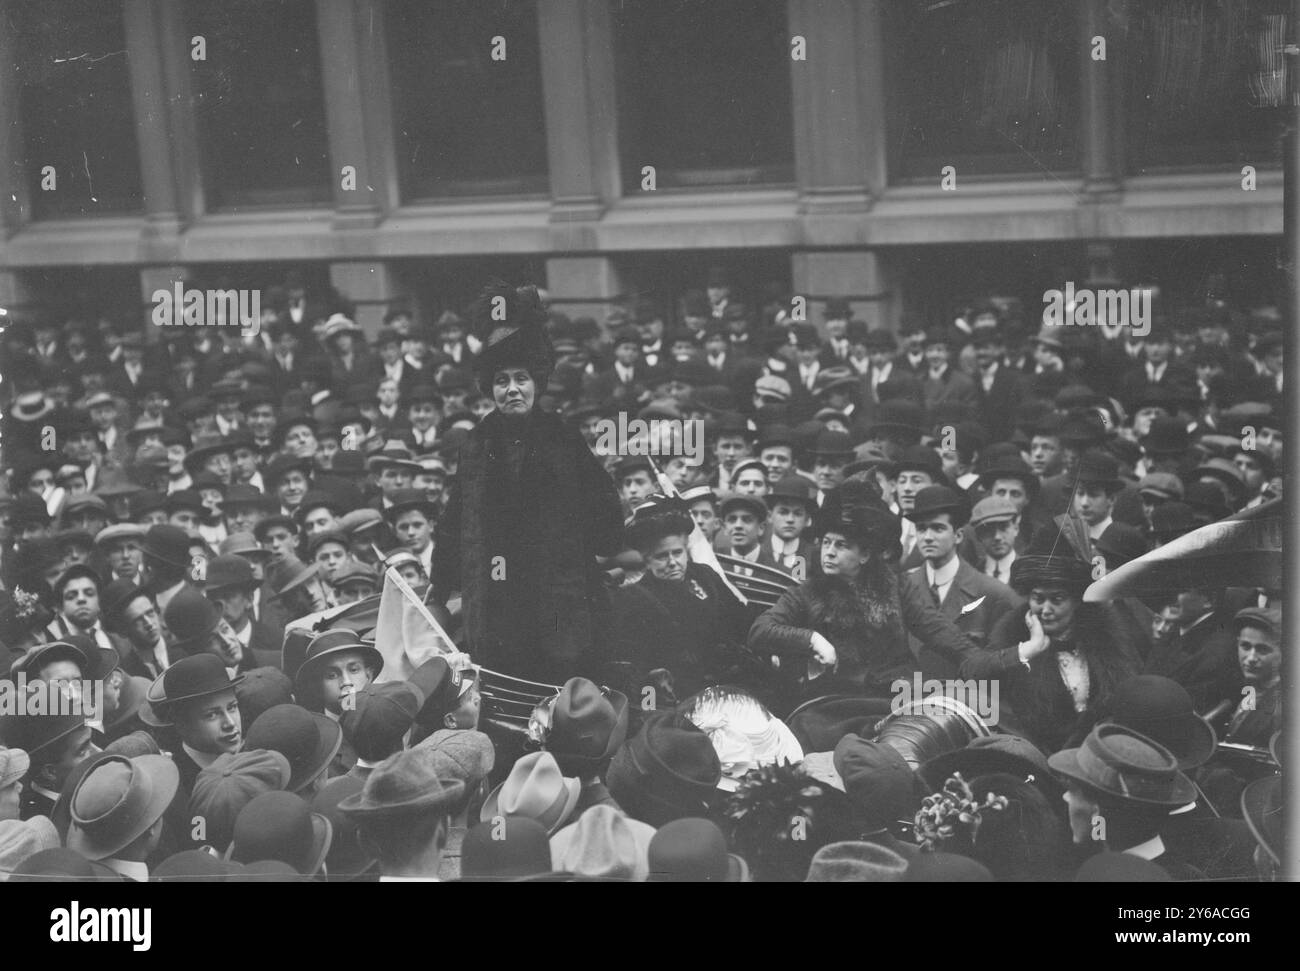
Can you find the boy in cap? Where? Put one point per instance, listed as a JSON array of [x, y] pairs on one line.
[[1257, 715], [337, 665], [230, 582], [792, 505], [996, 524], [55, 745], [196, 696]]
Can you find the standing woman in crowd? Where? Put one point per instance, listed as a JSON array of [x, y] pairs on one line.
[[1058, 663], [529, 511]]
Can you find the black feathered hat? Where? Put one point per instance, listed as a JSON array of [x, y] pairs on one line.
[[653, 520], [511, 323], [1059, 570], [855, 511]]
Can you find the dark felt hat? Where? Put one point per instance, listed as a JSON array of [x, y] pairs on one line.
[[281, 826], [196, 676], [307, 739], [1162, 710], [940, 499], [668, 770], [588, 725], [1126, 766]]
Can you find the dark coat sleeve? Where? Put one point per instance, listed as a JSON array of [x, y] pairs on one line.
[[1002, 656], [603, 513], [784, 629], [446, 549]]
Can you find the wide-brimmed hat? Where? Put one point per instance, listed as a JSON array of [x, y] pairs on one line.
[[588, 725], [1161, 709], [404, 784], [856, 512], [118, 801], [196, 457], [307, 739], [1124, 765], [992, 755], [31, 406], [328, 644], [281, 826], [856, 862], [604, 842], [94, 662], [282, 465], [289, 574], [668, 770], [196, 676], [537, 789], [693, 850], [1063, 570], [339, 324], [1225, 472]]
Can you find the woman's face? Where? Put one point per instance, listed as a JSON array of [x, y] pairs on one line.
[[514, 391], [667, 559], [840, 557], [1055, 609]]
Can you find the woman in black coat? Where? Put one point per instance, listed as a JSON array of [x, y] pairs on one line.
[[846, 630], [529, 511], [1058, 664]]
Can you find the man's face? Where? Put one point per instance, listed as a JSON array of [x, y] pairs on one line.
[[789, 519], [514, 391], [414, 530], [743, 529], [1269, 441], [326, 448], [81, 601], [124, 558], [80, 447], [936, 538], [211, 725], [393, 478], [300, 442], [261, 420], [667, 559], [342, 675], [244, 462], [1013, 490], [778, 459], [729, 450], [390, 351], [331, 558], [1252, 473], [986, 352], [225, 645], [1045, 455], [1143, 419], [292, 487], [1092, 503], [41, 482], [637, 486], [87, 520], [318, 520], [280, 542], [186, 519], [751, 482], [103, 416], [627, 353], [1258, 656], [235, 603], [1164, 625], [936, 355], [840, 557], [142, 624], [74, 749], [423, 414], [998, 538], [715, 344], [1158, 350], [908, 483], [706, 517], [718, 294], [388, 393], [828, 471]]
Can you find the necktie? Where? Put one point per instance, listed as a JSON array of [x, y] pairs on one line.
[[934, 592], [997, 572]]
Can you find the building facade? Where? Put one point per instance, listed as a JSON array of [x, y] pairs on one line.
[[903, 153]]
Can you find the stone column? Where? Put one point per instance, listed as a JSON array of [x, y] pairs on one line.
[[1100, 122], [15, 208], [860, 275], [373, 285], [583, 286]]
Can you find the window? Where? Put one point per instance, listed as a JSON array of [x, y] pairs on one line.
[[704, 92], [1202, 82], [74, 105], [986, 86], [258, 99], [467, 98]]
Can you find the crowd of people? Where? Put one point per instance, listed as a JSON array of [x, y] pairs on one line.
[[716, 644]]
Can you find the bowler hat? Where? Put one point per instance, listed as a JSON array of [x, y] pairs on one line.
[[191, 618], [187, 500], [1162, 710], [118, 801], [404, 784], [170, 544], [33, 731], [281, 826], [940, 499], [537, 789], [1098, 468], [229, 570], [668, 770], [832, 444], [588, 724], [1124, 765], [1010, 467], [856, 862], [307, 739], [328, 644], [793, 487], [920, 458], [408, 499], [193, 866], [693, 850], [196, 676]]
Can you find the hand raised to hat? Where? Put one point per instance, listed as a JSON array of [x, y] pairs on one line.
[[1038, 640]]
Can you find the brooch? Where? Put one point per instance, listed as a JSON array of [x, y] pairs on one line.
[[698, 590]]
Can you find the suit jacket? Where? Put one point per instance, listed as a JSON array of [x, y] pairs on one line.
[[607, 384], [806, 550], [955, 385], [974, 604], [1135, 383], [996, 408], [1203, 660]]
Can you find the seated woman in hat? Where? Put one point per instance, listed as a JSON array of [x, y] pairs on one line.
[[529, 512], [846, 630], [679, 616], [1058, 664]]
